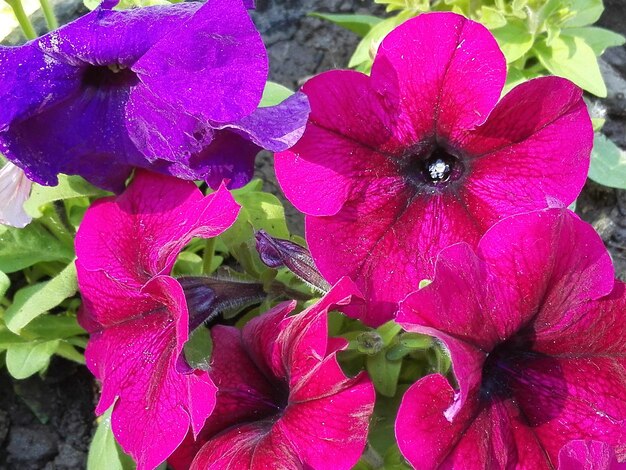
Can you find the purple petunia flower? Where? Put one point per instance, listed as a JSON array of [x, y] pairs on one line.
[[535, 326], [174, 89], [138, 315], [420, 155], [283, 400]]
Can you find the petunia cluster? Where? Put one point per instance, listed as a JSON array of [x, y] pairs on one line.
[[433, 204]]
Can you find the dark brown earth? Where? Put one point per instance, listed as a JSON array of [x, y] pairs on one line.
[[46, 423]]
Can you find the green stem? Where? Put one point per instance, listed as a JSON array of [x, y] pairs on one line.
[[207, 257], [22, 18], [48, 13]]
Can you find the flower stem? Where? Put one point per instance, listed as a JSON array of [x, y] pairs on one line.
[[22, 19], [48, 13], [207, 257]]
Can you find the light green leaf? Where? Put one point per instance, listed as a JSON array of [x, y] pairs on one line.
[[384, 373], [5, 283], [70, 353], [199, 348], [273, 94], [358, 24], [8, 338], [599, 39], [368, 46], [104, 452], [491, 17], [26, 359], [69, 187], [21, 248], [572, 58], [259, 210], [53, 327], [586, 12], [514, 39], [32, 301], [608, 163]]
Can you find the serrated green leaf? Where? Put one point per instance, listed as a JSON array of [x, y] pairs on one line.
[[358, 24], [608, 163], [273, 94], [514, 39], [570, 57], [599, 39], [69, 187], [26, 359], [5, 283], [21, 248], [586, 12], [32, 301]]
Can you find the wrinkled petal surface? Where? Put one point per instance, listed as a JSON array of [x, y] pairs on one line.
[[137, 315]]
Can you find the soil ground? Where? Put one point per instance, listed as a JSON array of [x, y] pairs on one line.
[[46, 423]]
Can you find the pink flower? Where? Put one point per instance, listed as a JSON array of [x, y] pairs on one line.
[[283, 401], [137, 314], [394, 167], [535, 326], [14, 191]]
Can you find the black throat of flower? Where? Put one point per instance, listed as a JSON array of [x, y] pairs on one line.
[[432, 166], [108, 77]]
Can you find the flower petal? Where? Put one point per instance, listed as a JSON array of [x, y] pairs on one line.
[[14, 192], [449, 73], [588, 455], [136, 362], [540, 127], [218, 51]]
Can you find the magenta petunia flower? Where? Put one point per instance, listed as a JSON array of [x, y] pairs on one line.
[[534, 323], [420, 155], [588, 455], [137, 314], [173, 88], [283, 401]]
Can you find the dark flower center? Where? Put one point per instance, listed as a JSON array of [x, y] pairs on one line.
[[499, 365], [109, 76], [433, 167]]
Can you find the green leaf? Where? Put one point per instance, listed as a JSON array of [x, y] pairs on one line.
[[491, 17], [384, 373], [199, 348], [5, 283], [70, 353], [273, 94], [32, 301], [104, 452], [369, 44], [572, 58], [514, 39], [69, 187], [608, 163], [358, 24], [7, 338], [26, 359], [586, 12], [53, 327], [21, 248], [599, 39], [259, 210]]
